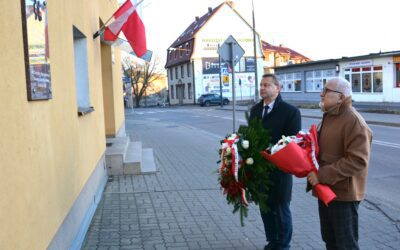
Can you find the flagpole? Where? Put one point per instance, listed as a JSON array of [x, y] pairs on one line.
[[95, 35]]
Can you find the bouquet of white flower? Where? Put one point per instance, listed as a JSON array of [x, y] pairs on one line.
[[297, 155]]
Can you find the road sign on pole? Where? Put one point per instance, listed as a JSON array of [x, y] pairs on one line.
[[229, 55], [231, 52]]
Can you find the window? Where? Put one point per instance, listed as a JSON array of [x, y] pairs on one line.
[[355, 83], [182, 71], [180, 51], [365, 79], [172, 91], [242, 64], [316, 79], [378, 86], [171, 74], [183, 91], [188, 69], [189, 91], [187, 48], [176, 72], [398, 75], [81, 72], [290, 82]]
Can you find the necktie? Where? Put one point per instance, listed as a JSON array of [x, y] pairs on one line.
[[265, 113]]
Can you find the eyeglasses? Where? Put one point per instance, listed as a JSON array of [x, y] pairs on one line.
[[325, 90]]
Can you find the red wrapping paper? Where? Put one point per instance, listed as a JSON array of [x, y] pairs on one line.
[[297, 160]]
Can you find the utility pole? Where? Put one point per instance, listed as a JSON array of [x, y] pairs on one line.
[[233, 86], [220, 78], [255, 54]]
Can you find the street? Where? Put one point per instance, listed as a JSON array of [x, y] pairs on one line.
[[182, 207], [384, 172]]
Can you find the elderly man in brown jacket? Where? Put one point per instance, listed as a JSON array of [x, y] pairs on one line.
[[345, 146]]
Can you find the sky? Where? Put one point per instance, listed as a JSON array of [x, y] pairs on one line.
[[318, 29]]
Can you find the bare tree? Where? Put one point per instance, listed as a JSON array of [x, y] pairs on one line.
[[142, 76]]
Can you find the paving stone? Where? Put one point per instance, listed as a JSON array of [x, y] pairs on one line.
[[182, 207]]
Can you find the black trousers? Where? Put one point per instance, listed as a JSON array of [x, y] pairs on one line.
[[339, 224]]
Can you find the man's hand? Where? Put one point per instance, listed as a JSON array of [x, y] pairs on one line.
[[312, 178]]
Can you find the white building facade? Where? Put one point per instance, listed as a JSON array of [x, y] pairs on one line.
[[198, 73], [373, 78]]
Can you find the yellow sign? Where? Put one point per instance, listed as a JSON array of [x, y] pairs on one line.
[[225, 78], [396, 59]]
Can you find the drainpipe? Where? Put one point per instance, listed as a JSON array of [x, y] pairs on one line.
[[194, 88]]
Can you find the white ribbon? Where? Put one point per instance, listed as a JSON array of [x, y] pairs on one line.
[[236, 162]]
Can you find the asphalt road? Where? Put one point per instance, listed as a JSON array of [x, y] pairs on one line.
[[383, 185]]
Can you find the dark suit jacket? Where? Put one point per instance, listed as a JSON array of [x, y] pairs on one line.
[[284, 119]]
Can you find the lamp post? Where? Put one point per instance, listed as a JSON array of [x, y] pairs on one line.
[[255, 54]]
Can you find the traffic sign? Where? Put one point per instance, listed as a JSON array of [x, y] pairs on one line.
[[230, 51], [225, 78]]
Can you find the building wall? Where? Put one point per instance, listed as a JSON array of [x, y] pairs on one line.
[[185, 81], [206, 45], [112, 95], [390, 93], [47, 152], [303, 95]]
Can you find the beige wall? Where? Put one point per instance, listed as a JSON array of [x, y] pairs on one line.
[[112, 93], [47, 152]]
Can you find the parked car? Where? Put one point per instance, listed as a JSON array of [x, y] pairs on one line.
[[209, 99]]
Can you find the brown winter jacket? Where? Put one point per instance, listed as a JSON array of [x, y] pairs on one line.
[[345, 146]]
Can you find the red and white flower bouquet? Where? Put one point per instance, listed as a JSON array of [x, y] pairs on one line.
[[243, 172], [297, 155]]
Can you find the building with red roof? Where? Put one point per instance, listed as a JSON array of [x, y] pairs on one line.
[[192, 59], [276, 56]]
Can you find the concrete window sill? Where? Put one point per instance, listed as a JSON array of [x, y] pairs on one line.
[[85, 111]]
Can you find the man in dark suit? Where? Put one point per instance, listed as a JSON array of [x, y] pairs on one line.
[[280, 118]]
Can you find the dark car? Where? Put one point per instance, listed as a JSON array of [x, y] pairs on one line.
[[208, 99]]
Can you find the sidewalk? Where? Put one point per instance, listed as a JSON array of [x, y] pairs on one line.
[[182, 207], [370, 118]]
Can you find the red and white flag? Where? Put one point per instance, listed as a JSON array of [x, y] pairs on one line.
[[127, 20]]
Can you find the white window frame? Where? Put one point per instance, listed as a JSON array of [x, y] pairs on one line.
[[289, 79], [315, 77], [348, 71]]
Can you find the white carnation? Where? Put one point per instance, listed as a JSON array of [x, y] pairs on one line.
[[249, 161], [245, 144]]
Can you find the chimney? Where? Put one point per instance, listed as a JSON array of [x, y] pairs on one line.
[[197, 18], [209, 10]]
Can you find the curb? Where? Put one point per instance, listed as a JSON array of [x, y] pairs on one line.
[[389, 124]]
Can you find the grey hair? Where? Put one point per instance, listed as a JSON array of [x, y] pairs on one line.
[[342, 85]]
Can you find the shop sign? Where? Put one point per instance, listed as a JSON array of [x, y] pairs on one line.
[[358, 63]]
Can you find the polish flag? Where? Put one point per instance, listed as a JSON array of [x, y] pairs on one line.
[[127, 20]]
